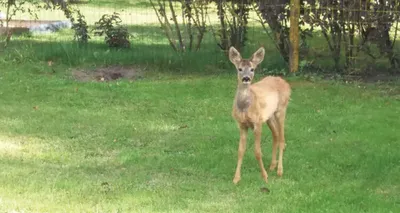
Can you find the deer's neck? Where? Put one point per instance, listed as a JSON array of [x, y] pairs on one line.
[[243, 97]]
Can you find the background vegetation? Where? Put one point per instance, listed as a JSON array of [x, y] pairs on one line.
[[337, 36]]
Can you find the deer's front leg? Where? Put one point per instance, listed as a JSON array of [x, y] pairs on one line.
[[241, 150], [257, 150]]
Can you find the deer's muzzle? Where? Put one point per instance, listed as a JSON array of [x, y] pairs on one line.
[[246, 79]]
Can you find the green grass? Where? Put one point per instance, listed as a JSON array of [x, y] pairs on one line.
[[67, 146], [149, 48]]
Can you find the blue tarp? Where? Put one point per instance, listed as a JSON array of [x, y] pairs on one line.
[[45, 28], [50, 27]]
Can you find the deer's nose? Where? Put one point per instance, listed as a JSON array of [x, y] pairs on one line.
[[246, 79]]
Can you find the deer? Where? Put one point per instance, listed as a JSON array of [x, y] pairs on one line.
[[254, 104]]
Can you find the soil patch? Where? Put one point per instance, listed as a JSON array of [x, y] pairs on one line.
[[108, 74]]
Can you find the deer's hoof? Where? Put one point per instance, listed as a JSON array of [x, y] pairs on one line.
[[272, 167], [265, 179], [280, 172], [236, 179]]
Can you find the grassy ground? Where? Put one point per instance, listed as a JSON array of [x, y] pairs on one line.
[[167, 143]]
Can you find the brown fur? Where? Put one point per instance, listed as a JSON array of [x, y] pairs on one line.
[[263, 102]]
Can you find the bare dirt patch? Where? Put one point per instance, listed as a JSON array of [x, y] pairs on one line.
[[108, 73]]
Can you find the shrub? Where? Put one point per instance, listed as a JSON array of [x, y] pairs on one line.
[[115, 34]]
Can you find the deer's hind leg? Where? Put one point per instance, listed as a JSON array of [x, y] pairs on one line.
[[281, 115], [273, 126]]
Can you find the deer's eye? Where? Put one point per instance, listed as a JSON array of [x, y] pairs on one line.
[[240, 70], [252, 70]]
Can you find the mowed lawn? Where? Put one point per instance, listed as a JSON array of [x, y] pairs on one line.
[[167, 143]]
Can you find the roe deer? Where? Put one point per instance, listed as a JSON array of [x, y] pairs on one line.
[[254, 104]]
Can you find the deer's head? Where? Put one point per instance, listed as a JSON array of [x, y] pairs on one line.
[[245, 67]]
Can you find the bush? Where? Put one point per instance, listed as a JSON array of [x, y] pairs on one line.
[[115, 34]]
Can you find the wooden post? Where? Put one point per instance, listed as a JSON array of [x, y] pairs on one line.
[[294, 35]]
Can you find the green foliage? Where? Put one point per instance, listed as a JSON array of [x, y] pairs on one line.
[[115, 34], [233, 18], [79, 25], [81, 29]]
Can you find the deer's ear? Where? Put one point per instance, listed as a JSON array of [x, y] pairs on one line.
[[234, 56], [258, 56]]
